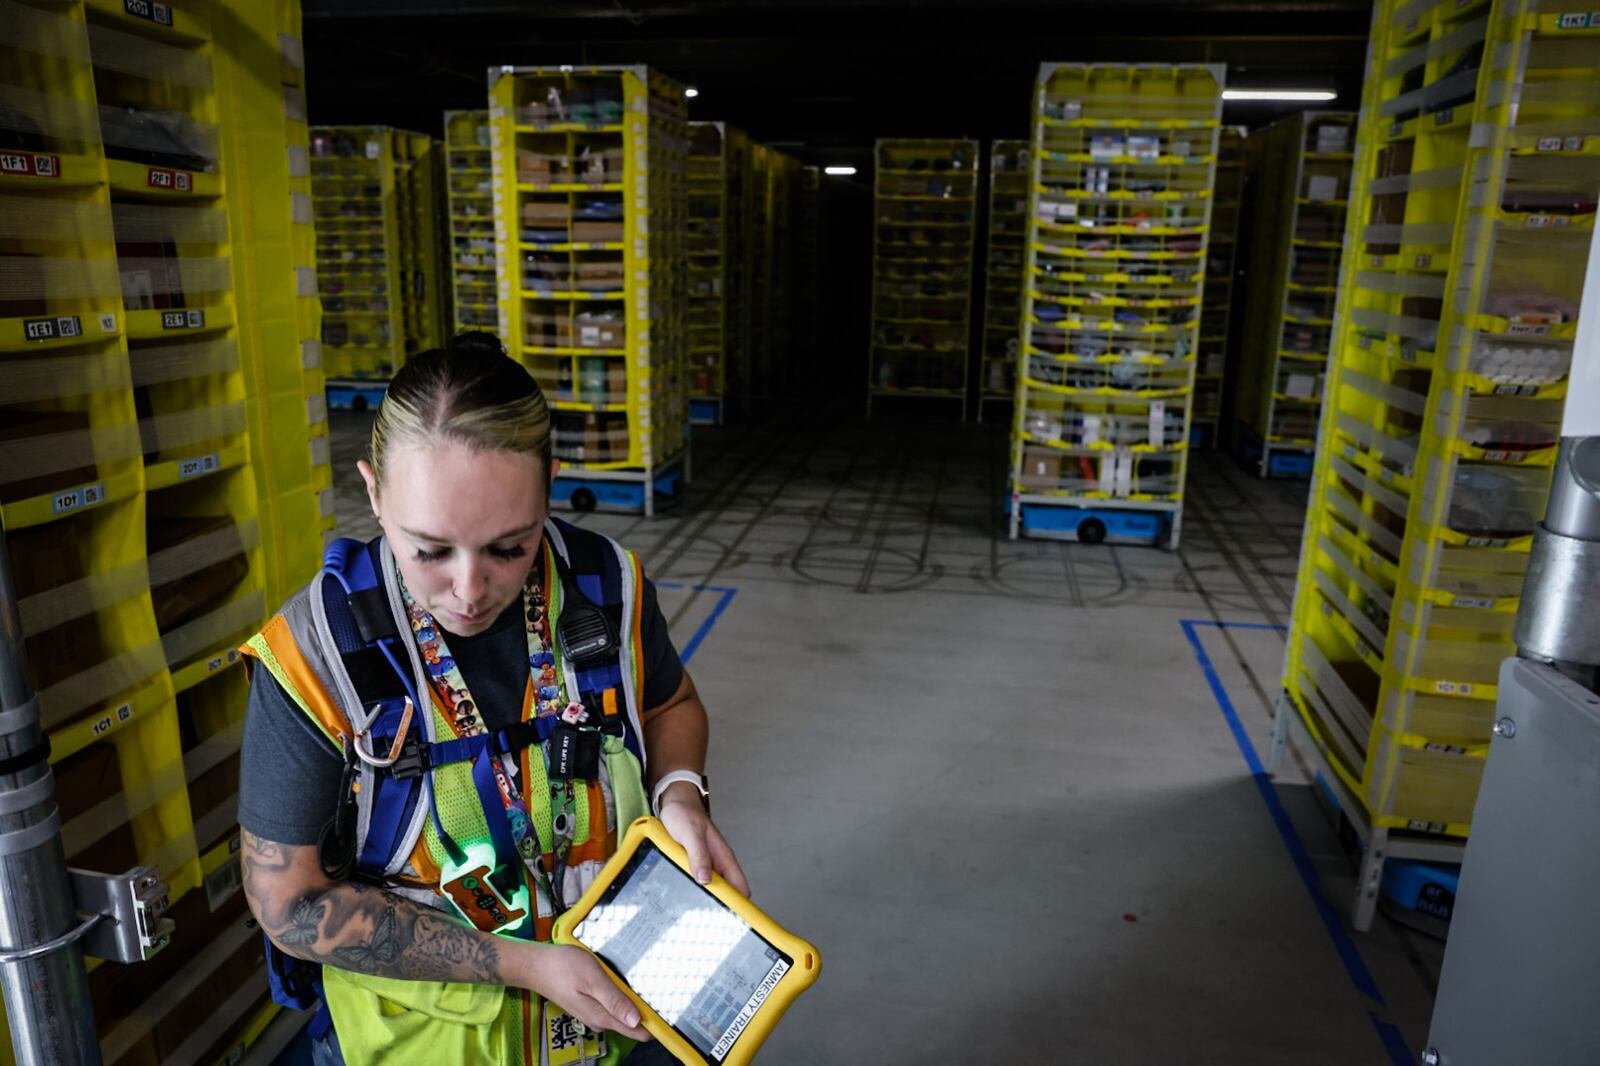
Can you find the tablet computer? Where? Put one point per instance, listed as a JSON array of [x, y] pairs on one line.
[[710, 972]]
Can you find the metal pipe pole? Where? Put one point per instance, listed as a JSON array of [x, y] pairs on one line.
[[46, 997], [1558, 621]]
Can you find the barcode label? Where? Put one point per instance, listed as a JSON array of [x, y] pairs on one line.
[[79, 498], [199, 466], [223, 882]]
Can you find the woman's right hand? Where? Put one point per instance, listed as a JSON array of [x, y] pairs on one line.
[[574, 980]]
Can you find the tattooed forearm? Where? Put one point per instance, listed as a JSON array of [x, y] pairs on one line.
[[357, 927]]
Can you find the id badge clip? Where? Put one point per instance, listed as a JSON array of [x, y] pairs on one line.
[[476, 898]]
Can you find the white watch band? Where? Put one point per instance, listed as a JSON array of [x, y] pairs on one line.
[[672, 778]]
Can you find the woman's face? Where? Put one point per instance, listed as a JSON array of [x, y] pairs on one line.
[[465, 527]]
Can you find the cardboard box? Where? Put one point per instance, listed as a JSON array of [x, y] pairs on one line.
[[592, 330], [1041, 468], [544, 214], [551, 329], [600, 275], [542, 166], [588, 232]]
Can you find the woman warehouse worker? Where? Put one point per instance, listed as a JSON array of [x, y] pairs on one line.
[[447, 729]]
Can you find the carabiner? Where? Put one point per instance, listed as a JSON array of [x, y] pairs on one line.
[[363, 738]]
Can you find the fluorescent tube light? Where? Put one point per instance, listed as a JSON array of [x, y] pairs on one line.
[[1279, 94]]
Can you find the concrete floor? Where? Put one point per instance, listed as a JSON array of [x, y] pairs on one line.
[[990, 780]]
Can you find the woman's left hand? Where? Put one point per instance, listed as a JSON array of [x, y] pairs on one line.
[[684, 815]]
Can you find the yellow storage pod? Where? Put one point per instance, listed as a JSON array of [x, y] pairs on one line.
[[361, 265], [162, 447], [924, 224], [1300, 182], [471, 206], [591, 197], [1472, 206], [1123, 162], [1216, 309], [1003, 262], [421, 203], [716, 314]]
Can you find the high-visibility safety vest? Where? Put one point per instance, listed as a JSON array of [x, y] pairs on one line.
[[319, 649]]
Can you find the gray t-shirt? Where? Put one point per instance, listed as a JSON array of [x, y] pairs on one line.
[[289, 773]]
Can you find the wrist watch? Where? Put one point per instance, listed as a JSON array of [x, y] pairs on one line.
[[699, 781]]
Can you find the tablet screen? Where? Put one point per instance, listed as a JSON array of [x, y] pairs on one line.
[[683, 951]]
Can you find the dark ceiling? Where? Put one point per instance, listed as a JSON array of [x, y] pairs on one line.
[[824, 77]]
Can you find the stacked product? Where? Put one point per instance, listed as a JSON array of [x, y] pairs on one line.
[[1002, 286], [591, 199], [1472, 206], [924, 214], [471, 204], [1123, 161], [1216, 311], [162, 418], [1301, 176]]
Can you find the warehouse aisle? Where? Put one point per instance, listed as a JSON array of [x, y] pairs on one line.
[[1005, 786]]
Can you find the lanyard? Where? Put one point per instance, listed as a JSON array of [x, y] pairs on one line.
[[514, 837]]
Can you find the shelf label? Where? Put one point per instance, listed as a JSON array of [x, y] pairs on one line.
[[1475, 602], [1578, 20], [1453, 688], [108, 323], [174, 180], [160, 14], [199, 466], [30, 164], [1444, 118], [183, 319], [50, 329], [374, 149], [1504, 456], [1397, 129], [1424, 261], [1516, 390], [105, 722], [1417, 824], [217, 662], [1444, 749], [79, 498]]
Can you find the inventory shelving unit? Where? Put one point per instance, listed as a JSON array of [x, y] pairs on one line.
[[716, 314], [1300, 187], [162, 421], [470, 199], [1473, 200], [924, 225], [1216, 309], [1123, 162], [1003, 266], [424, 260], [591, 195], [357, 180]]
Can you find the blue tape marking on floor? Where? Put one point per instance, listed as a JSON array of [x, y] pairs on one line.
[[1393, 1041], [727, 595], [1354, 965]]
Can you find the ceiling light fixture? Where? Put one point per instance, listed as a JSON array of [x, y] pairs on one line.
[[1279, 94], [691, 92], [843, 171]]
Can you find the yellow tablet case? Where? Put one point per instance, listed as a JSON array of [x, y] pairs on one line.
[[806, 962]]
